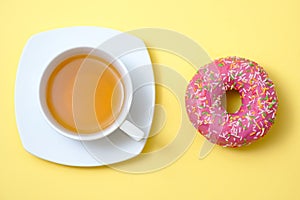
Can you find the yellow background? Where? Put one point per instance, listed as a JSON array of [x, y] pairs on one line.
[[265, 31]]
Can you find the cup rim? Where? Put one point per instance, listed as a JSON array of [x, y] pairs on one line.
[[127, 84]]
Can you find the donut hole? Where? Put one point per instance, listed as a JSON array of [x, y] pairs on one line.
[[232, 101]]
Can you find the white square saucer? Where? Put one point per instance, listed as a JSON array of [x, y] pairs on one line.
[[37, 136]]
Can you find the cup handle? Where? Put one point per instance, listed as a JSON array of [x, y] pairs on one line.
[[132, 131]]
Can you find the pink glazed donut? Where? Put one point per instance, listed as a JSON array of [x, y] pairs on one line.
[[256, 114]]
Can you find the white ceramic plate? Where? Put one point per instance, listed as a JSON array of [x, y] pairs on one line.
[[39, 139]]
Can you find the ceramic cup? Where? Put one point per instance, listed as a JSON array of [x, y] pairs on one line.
[[121, 121]]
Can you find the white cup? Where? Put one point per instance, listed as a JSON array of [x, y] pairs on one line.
[[121, 121]]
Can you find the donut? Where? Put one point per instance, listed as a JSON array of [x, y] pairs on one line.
[[203, 101]]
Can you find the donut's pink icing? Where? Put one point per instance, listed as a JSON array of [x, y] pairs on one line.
[[259, 101]]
